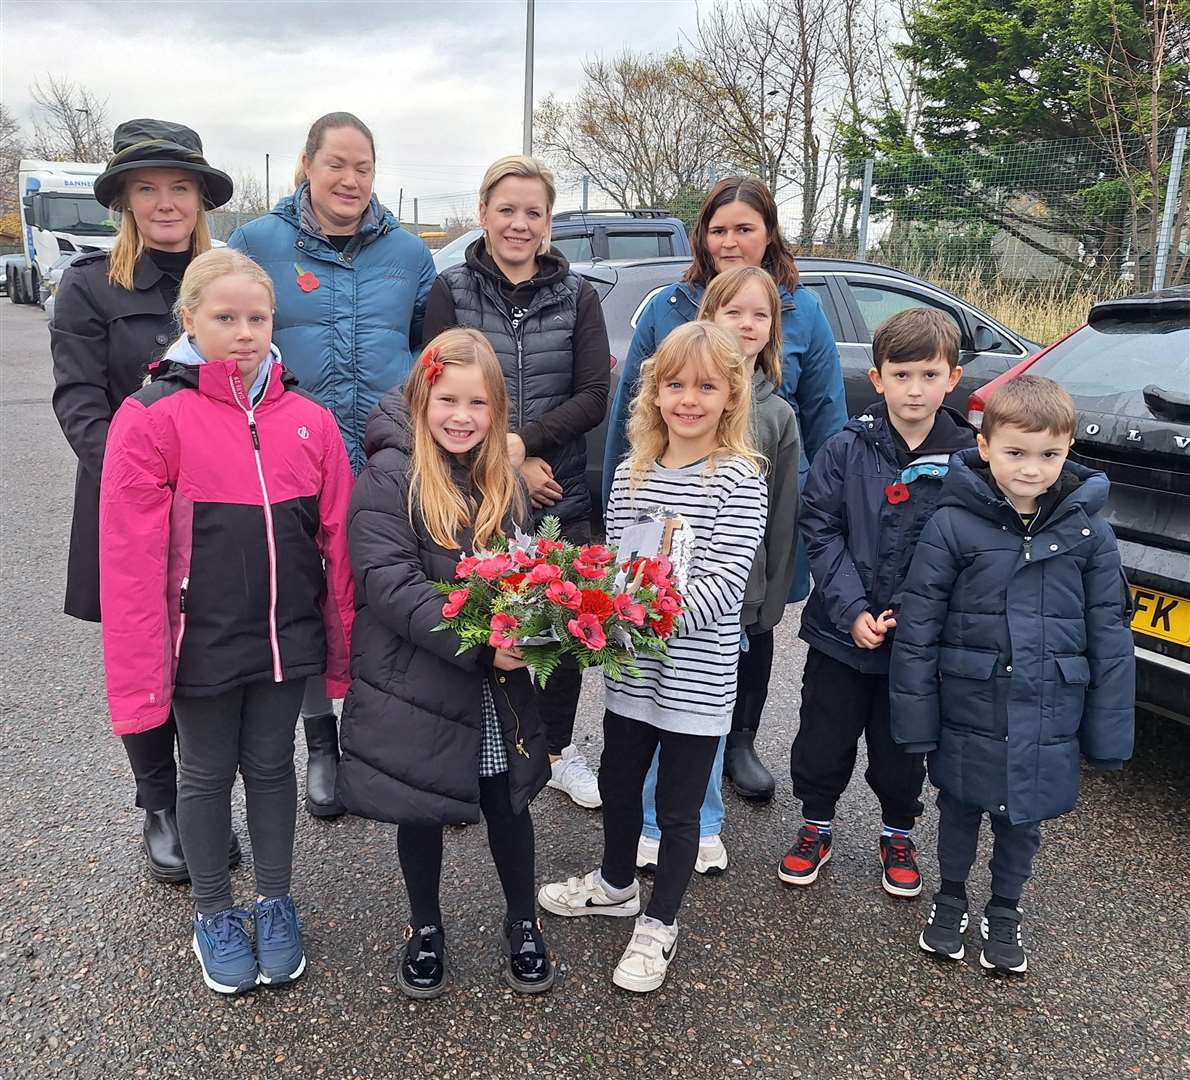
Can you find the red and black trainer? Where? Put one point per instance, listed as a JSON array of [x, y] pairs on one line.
[[810, 852], [898, 857]]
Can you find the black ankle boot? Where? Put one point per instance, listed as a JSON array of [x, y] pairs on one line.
[[322, 767], [747, 772], [528, 968], [163, 846], [421, 965]]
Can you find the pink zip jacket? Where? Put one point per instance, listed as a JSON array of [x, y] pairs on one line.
[[222, 539]]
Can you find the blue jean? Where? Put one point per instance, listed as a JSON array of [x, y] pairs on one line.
[[710, 816]]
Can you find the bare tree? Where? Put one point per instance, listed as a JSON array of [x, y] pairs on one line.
[[249, 197], [12, 148], [69, 122], [633, 129]]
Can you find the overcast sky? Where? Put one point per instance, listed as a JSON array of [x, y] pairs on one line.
[[440, 84]]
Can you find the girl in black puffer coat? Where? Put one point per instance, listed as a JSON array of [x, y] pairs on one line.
[[429, 737]]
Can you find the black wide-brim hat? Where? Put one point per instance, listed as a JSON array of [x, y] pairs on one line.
[[158, 144]]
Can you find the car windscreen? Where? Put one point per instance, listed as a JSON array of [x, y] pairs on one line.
[[1106, 366]]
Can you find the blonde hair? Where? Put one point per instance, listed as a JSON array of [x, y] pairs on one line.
[[130, 245], [1031, 403], [433, 493], [529, 168], [212, 265], [712, 349], [725, 287]]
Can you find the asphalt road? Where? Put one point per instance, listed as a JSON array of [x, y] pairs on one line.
[[97, 979]]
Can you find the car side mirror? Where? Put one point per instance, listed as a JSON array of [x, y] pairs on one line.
[[986, 339]]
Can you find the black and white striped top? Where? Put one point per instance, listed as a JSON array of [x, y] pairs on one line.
[[695, 691]]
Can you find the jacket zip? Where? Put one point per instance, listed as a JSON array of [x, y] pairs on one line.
[[250, 414], [182, 617]]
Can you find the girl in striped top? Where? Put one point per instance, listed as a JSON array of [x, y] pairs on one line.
[[691, 455]]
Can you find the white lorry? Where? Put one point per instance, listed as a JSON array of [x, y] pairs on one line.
[[59, 217]]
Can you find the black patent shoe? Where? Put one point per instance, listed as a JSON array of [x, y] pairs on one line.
[[746, 771], [163, 846], [528, 968], [421, 970]]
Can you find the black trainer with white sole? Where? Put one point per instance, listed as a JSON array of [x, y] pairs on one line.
[[943, 933], [1003, 947]]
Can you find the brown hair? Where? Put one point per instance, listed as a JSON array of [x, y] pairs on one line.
[[317, 134], [724, 288], [713, 349], [919, 333], [778, 256], [1031, 403], [130, 245], [433, 492]]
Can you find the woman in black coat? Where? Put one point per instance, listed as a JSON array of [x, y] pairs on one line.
[[113, 316], [546, 325]]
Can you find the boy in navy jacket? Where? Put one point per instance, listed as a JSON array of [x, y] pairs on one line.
[[871, 489], [1013, 654]]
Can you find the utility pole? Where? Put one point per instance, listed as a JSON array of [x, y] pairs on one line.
[[527, 138], [400, 203], [416, 219], [267, 202]]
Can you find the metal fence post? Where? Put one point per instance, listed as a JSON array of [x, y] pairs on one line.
[[1165, 237], [864, 206]]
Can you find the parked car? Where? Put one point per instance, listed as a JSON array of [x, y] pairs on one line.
[[1128, 370], [857, 297], [596, 236], [51, 281]]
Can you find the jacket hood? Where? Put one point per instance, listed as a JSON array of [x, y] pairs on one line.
[[951, 431], [296, 210], [183, 352], [967, 485], [390, 426], [552, 267], [762, 387]]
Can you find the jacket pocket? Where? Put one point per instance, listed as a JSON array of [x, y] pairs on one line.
[[968, 692], [1067, 696]]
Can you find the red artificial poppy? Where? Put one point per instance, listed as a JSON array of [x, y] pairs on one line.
[[897, 493], [544, 574], [466, 567], [663, 626], [587, 629], [306, 280], [512, 582], [565, 594], [597, 603], [524, 560], [454, 603], [494, 567], [666, 603], [595, 554], [545, 547], [629, 611], [585, 569], [502, 626]]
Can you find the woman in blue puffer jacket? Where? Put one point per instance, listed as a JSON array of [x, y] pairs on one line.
[[351, 288], [737, 226]]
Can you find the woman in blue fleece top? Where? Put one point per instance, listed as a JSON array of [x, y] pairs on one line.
[[737, 226]]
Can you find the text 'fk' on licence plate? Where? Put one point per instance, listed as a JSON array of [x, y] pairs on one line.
[[1161, 616]]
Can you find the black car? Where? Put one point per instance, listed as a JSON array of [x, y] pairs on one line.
[[856, 296], [596, 236], [1128, 370]]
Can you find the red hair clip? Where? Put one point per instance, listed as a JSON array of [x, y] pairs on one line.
[[433, 366]]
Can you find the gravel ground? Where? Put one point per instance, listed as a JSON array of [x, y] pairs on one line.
[[97, 979]]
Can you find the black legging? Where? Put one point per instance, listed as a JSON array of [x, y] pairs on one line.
[[510, 837]]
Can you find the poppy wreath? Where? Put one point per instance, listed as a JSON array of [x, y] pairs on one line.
[[552, 599]]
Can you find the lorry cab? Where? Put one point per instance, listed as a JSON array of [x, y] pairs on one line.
[[59, 215]]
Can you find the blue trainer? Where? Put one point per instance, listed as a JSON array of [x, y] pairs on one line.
[[279, 954], [224, 950]]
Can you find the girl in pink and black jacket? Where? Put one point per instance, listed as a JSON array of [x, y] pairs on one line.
[[225, 584]]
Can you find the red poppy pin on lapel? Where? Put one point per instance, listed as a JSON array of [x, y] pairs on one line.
[[306, 280], [897, 493]]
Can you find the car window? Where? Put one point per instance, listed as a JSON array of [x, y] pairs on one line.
[[822, 290], [1106, 367], [638, 245], [575, 248], [876, 302]]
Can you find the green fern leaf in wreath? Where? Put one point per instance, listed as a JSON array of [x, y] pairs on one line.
[[550, 528]]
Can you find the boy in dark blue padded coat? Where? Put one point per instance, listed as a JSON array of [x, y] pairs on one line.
[[871, 489], [1013, 654]]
